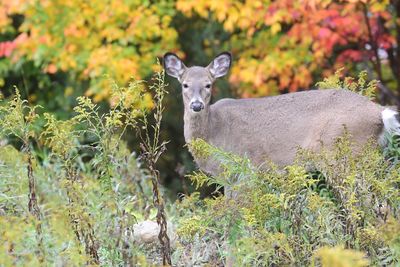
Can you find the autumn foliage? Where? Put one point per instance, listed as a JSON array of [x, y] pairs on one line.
[[89, 39], [279, 46], [284, 45], [72, 184]]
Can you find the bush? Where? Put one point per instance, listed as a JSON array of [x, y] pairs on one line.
[[290, 217], [71, 191]]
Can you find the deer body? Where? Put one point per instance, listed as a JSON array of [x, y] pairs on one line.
[[273, 128]]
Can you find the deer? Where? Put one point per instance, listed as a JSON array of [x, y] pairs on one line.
[[273, 128]]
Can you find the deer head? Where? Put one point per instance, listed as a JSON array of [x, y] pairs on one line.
[[197, 81]]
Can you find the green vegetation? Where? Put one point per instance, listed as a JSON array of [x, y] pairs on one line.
[[86, 188], [81, 157], [292, 216], [71, 191]]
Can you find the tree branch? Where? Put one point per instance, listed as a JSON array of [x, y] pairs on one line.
[[389, 93], [377, 63]]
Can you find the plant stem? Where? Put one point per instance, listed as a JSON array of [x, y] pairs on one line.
[[33, 206], [152, 149]]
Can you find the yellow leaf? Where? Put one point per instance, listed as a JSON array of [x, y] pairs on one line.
[[275, 28], [340, 257]]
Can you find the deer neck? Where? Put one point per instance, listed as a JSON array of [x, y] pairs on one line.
[[196, 124]]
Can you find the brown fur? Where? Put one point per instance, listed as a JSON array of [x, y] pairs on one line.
[[272, 128]]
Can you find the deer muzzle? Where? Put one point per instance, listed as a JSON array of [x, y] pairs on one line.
[[196, 106]]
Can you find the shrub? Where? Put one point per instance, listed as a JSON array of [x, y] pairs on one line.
[[71, 190], [283, 218], [84, 187]]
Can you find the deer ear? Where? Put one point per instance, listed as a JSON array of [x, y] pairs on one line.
[[173, 65], [220, 65]]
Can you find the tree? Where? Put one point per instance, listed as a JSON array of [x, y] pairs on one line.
[[288, 45], [88, 39]]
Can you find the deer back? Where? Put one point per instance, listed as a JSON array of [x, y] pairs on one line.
[[273, 128]]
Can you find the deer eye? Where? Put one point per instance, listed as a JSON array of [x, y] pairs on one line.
[[208, 86], [185, 85]]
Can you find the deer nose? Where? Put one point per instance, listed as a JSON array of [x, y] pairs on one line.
[[196, 106]]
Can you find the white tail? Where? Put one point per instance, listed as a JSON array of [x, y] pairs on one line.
[[273, 128], [391, 124]]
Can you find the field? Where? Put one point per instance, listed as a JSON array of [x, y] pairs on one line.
[[72, 193]]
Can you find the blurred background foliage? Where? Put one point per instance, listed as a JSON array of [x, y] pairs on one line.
[[55, 51], [92, 186]]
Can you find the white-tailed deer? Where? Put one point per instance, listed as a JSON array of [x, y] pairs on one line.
[[273, 128]]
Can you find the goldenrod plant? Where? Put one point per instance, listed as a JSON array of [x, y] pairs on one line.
[[331, 208], [88, 187]]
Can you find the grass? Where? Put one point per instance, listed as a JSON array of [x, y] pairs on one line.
[[71, 191]]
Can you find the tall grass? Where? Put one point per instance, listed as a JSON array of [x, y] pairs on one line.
[[338, 214], [71, 191]]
